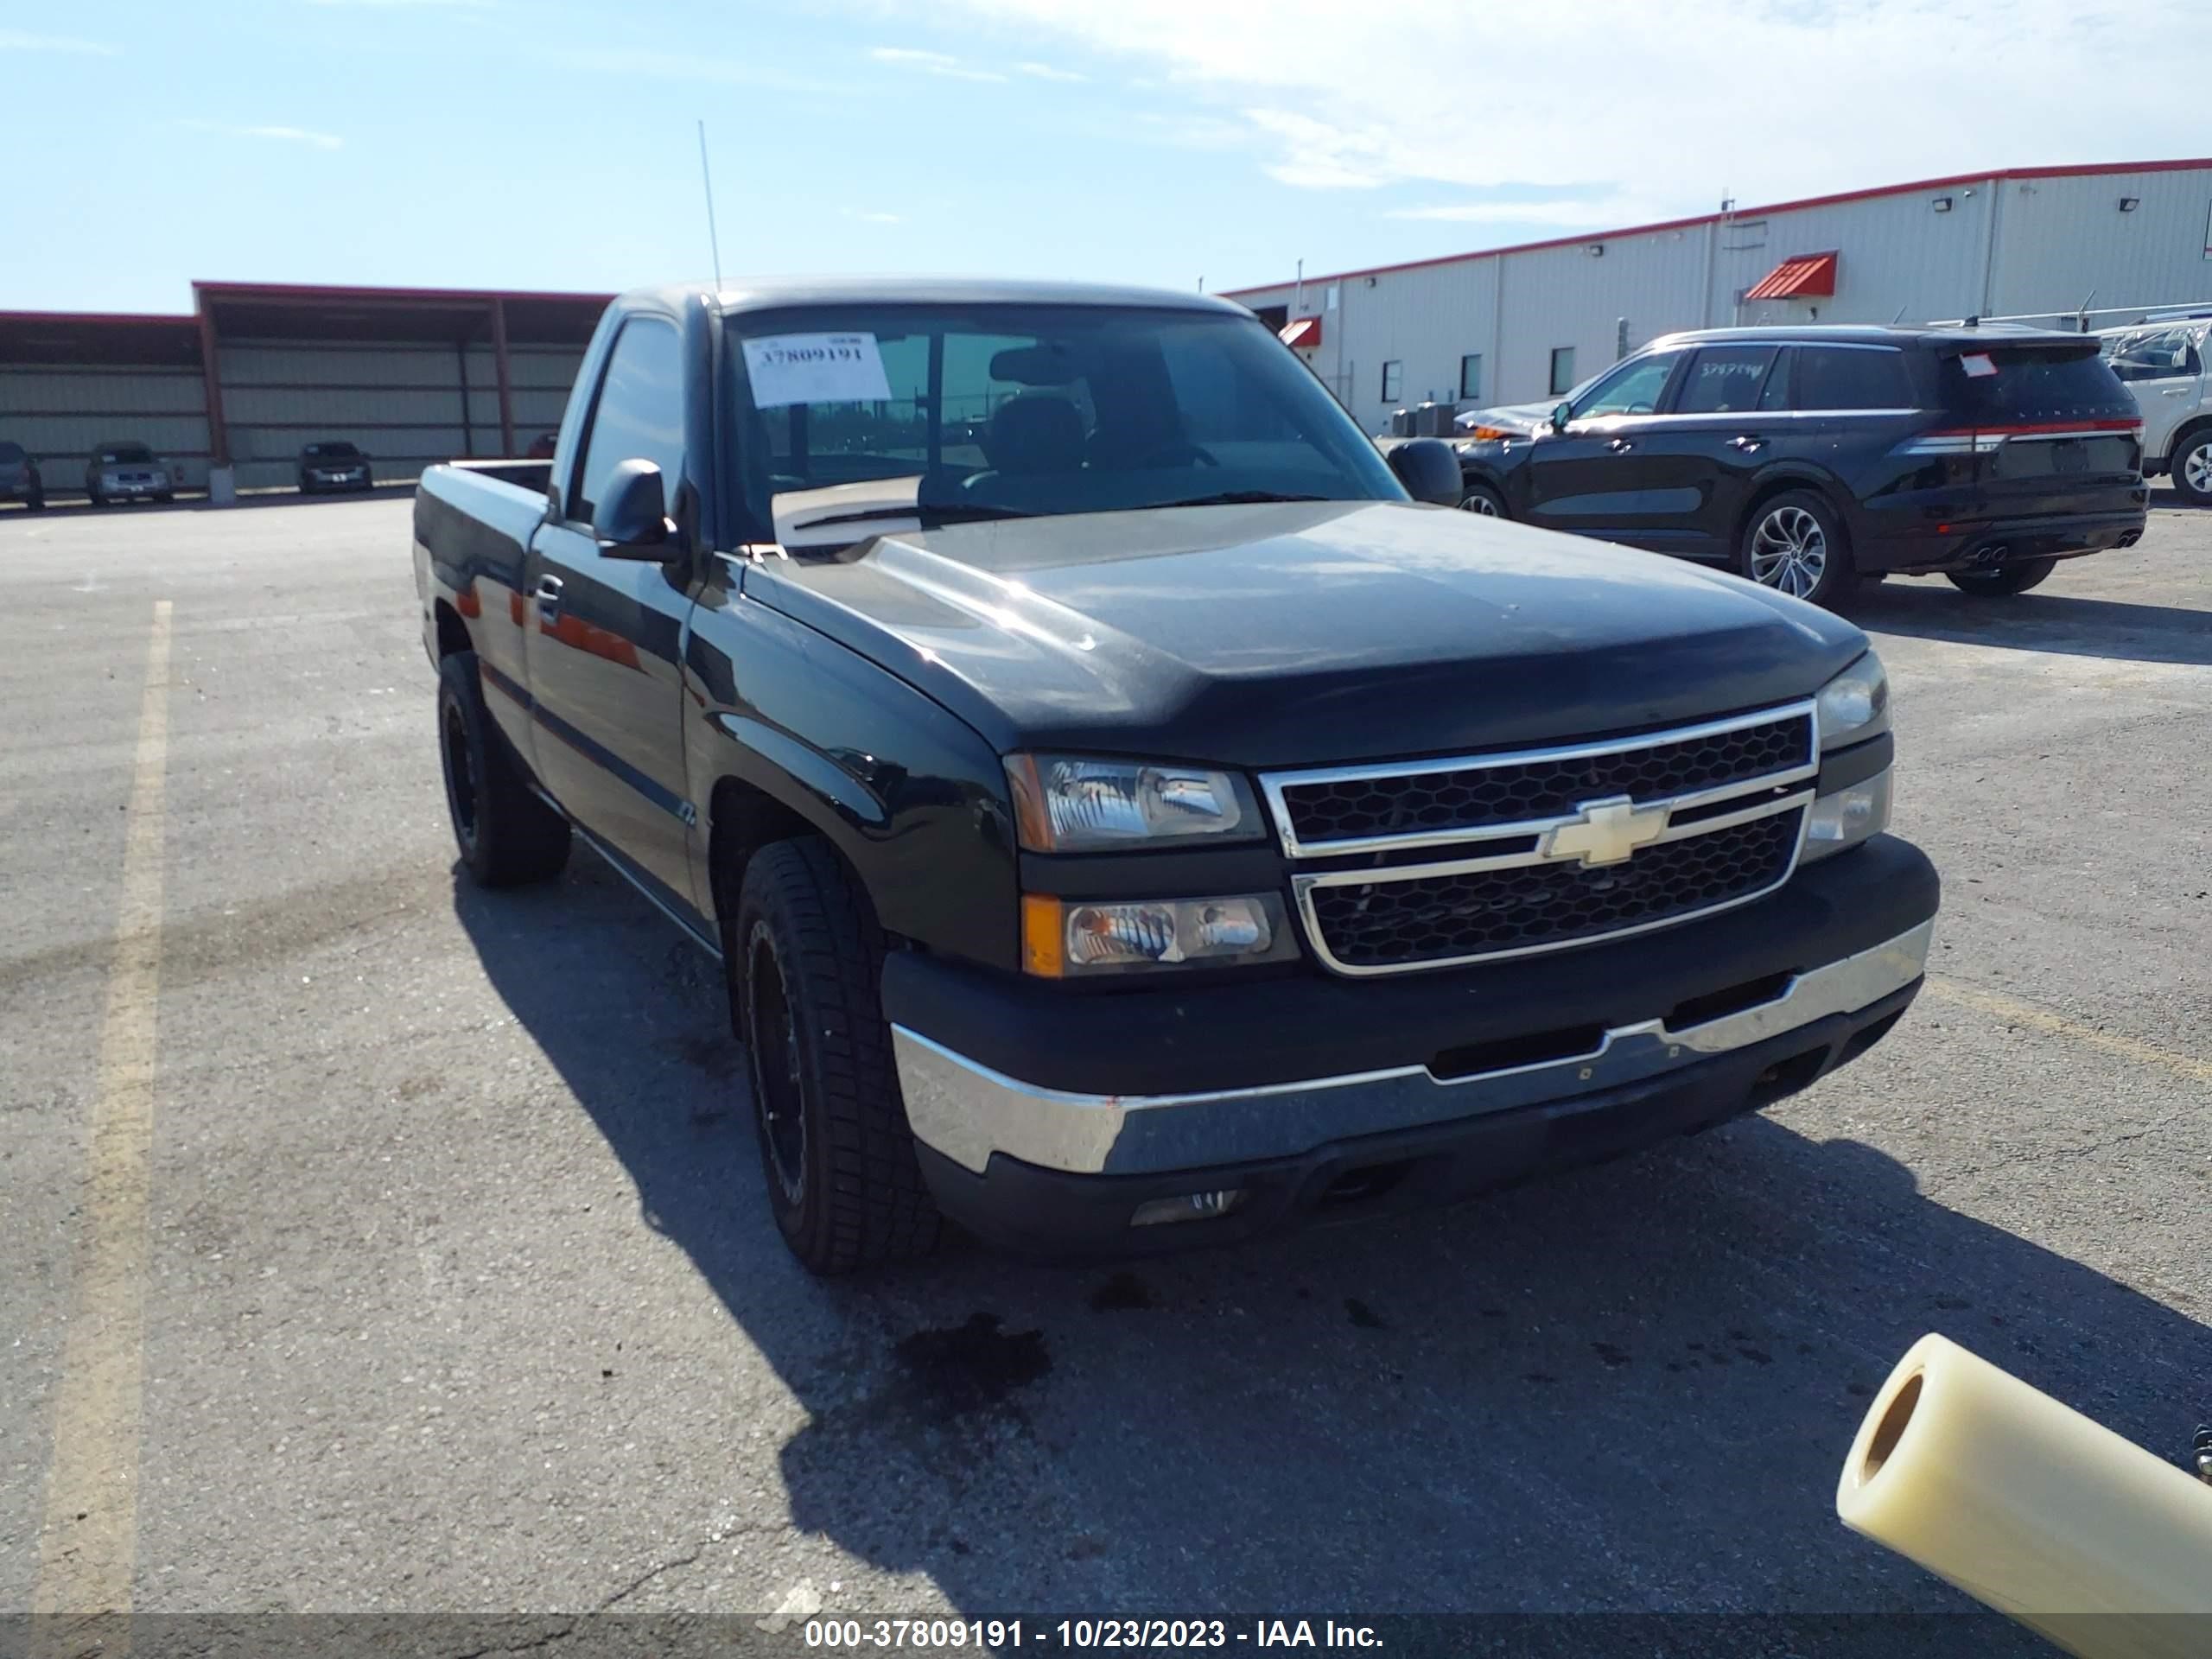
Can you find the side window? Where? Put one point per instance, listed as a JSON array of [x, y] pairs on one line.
[[1393, 380], [1838, 377], [639, 414], [2164, 355], [1725, 377], [1470, 375], [1562, 370], [1632, 389]]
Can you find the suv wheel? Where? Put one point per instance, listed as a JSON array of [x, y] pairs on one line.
[[1483, 499], [2191, 467], [2015, 578], [843, 1182], [507, 837], [1794, 544]]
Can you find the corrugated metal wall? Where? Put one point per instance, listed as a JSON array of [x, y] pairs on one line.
[[60, 413], [2013, 246], [408, 406], [2057, 238]]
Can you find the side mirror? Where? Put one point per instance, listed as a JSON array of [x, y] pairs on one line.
[[1561, 414], [630, 521], [1429, 470]]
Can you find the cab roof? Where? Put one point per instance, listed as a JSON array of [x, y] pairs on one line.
[[787, 293], [1939, 335]]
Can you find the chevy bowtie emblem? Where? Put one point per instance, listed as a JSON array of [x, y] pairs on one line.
[[1605, 832]]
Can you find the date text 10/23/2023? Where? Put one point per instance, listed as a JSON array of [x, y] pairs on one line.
[[994, 1633]]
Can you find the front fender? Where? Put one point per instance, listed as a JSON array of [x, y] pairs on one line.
[[912, 797]]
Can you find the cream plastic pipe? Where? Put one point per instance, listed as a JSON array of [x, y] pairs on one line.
[[2029, 1506]]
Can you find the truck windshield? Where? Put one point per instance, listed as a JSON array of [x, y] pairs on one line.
[[946, 413]]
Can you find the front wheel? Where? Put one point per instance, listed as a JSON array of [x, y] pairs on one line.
[[2015, 578], [843, 1180], [1481, 500], [1793, 544], [2191, 467]]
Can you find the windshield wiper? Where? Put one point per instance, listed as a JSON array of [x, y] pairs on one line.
[[1239, 498]]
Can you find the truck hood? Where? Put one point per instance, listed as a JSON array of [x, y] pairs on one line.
[[1303, 634], [1528, 418]]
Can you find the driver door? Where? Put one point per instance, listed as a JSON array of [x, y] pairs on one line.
[[1597, 478]]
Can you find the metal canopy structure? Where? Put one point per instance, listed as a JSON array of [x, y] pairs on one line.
[[258, 369]]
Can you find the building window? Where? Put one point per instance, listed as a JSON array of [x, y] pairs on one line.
[[1393, 380], [1562, 370], [1470, 375]]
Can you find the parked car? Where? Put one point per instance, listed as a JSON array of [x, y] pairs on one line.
[[1807, 457], [541, 447], [2162, 365], [335, 464], [127, 472], [19, 477], [1160, 826]]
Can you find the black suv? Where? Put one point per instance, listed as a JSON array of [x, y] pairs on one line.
[[1807, 457]]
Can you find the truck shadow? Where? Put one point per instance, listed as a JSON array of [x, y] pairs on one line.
[[1629, 1390]]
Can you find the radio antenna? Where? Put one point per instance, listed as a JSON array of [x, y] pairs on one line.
[[707, 183]]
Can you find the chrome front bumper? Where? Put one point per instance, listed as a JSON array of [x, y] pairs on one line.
[[966, 1111]]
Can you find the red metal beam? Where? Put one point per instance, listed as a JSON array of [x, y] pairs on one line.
[[506, 386], [219, 436]]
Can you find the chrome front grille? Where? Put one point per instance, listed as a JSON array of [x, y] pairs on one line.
[[1430, 864]]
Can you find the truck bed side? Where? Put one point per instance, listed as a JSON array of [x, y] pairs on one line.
[[472, 543]]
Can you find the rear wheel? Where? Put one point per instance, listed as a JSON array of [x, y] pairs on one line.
[[1793, 544], [2015, 578], [507, 835], [2191, 467], [843, 1180], [1481, 499], [37, 502]]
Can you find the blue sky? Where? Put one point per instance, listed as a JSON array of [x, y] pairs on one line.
[[550, 144]]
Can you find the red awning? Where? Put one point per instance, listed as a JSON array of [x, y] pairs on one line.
[[1302, 334], [1807, 277]]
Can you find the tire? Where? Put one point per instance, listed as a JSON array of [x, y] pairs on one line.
[[2191, 466], [843, 1181], [166, 497], [507, 837], [1794, 544], [2015, 578], [36, 503], [1481, 500]]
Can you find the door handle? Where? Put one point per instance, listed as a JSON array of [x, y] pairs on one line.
[[2177, 391], [1747, 444], [549, 599], [1621, 446]]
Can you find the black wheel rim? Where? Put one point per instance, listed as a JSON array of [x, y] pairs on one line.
[[777, 1098], [461, 776]]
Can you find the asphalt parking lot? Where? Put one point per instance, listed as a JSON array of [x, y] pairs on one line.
[[459, 1292]]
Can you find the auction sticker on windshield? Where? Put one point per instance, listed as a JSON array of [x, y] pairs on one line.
[[789, 368]]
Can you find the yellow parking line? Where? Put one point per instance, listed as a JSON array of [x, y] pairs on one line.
[[89, 1539], [2019, 1014]]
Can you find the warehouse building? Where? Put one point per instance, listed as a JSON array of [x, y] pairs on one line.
[[1521, 324], [411, 375]]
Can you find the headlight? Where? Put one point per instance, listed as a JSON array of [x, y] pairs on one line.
[[1065, 938], [1065, 805], [1855, 705], [1848, 817]]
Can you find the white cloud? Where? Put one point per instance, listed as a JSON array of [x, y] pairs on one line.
[[1670, 103], [274, 135], [15, 39], [1047, 72], [932, 63], [875, 218]]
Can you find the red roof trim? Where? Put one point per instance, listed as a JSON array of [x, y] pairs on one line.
[[99, 319], [2002, 175], [1801, 276], [357, 295]]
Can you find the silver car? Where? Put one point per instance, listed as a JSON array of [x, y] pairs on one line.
[[128, 472], [19, 477]]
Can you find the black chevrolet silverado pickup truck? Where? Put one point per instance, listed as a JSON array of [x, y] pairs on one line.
[[1126, 817]]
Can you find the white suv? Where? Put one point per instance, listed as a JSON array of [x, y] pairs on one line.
[[2163, 364]]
